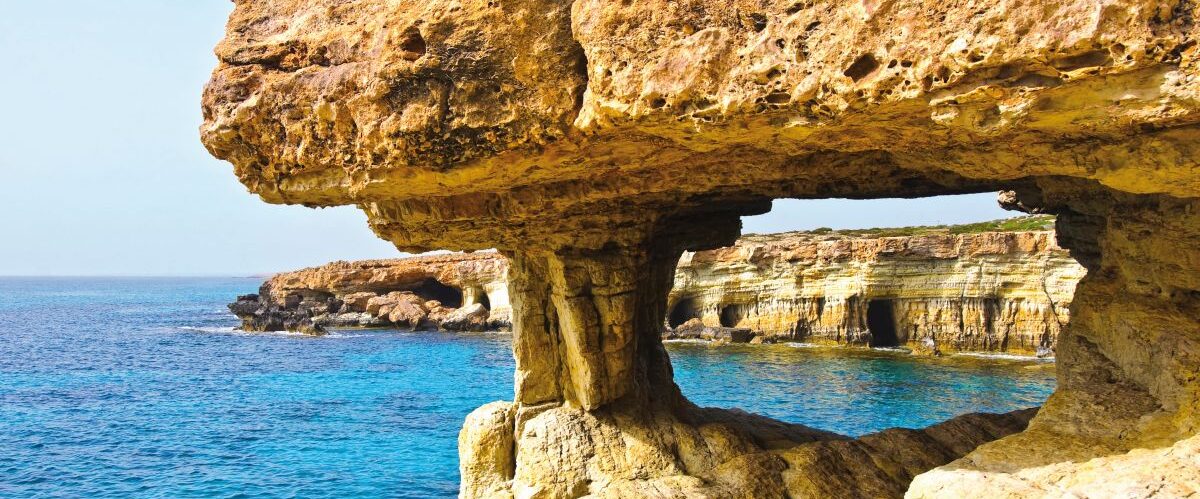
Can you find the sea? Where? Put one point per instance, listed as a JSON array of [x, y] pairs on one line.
[[143, 387]]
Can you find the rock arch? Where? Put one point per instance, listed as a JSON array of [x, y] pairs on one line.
[[592, 154]]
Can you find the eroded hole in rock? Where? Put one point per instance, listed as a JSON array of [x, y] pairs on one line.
[[1090, 59], [732, 314], [432, 289], [862, 67], [881, 323], [683, 311], [412, 45]]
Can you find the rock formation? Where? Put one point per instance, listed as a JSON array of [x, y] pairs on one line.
[[457, 292], [994, 290], [989, 291], [593, 142]]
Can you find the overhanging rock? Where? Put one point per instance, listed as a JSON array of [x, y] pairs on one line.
[[593, 141]]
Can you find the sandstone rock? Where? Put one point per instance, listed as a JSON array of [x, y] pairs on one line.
[[357, 302], [407, 309], [469, 318], [594, 142], [486, 451], [381, 306], [695, 329], [368, 293], [928, 346], [990, 291]]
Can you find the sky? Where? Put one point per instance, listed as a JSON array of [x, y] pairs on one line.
[[103, 172]]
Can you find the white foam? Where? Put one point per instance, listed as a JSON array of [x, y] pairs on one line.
[[202, 329], [1002, 356]]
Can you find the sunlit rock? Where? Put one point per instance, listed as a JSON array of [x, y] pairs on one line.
[[593, 142]]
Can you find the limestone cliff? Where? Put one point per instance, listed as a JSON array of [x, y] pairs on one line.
[[593, 142], [1006, 291], [990, 291], [453, 291]]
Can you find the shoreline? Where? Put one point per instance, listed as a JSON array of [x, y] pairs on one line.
[[343, 332]]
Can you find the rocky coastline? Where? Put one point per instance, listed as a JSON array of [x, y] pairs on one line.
[[593, 143], [454, 292], [928, 289]]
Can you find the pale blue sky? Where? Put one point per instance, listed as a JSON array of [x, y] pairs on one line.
[[104, 174]]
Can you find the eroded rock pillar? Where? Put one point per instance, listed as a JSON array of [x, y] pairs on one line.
[[587, 324], [593, 383]]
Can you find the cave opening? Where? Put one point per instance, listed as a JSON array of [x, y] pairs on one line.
[[432, 289], [684, 310], [484, 300], [881, 323], [732, 314]]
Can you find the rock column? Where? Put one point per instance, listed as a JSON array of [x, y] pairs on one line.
[[587, 324]]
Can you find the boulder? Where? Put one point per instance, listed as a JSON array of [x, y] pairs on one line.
[[357, 302], [472, 317]]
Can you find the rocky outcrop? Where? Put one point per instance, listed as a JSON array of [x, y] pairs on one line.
[[933, 290], [455, 292], [593, 142]]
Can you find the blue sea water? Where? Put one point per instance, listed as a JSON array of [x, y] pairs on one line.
[[140, 387]]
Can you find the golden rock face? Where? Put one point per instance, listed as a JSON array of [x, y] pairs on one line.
[[992, 291], [467, 124], [594, 141]]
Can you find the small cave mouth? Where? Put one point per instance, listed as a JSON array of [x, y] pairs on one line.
[[732, 314], [683, 311], [881, 323], [484, 300], [432, 289]]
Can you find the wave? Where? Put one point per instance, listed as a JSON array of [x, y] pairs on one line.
[[797, 344], [240, 332], [211, 329], [1002, 356]]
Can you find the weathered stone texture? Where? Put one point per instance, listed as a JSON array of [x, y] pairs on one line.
[[991, 291], [593, 141], [460, 292]]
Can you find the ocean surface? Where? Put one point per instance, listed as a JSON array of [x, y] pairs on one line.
[[141, 387]]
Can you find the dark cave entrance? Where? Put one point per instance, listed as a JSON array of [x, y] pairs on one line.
[[732, 314], [484, 300], [432, 289], [683, 311], [881, 322]]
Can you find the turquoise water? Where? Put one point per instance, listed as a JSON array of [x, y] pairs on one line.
[[141, 388]]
